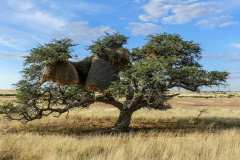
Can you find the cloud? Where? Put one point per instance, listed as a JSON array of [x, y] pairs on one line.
[[22, 5], [91, 7], [139, 29], [185, 11], [14, 56], [234, 75], [229, 62], [139, 1], [226, 57], [217, 22], [27, 23], [31, 15], [39, 18], [174, 11], [235, 45], [82, 32], [7, 42], [155, 9], [18, 40], [75, 6], [27, 13]]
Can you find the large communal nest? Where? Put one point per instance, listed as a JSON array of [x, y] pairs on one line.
[[118, 57], [101, 74], [63, 73], [66, 72], [95, 73]]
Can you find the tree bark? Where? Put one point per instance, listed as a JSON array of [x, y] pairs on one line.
[[125, 115], [124, 120]]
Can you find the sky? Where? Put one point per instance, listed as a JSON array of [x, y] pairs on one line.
[[214, 24]]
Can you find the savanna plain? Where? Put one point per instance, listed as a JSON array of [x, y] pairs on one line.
[[198, 127]]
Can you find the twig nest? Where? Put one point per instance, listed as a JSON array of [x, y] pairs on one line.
[[101, 74], [63, 73], [117, 56], [95, 73]]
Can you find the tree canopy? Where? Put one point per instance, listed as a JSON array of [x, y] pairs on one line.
[[164, 62]]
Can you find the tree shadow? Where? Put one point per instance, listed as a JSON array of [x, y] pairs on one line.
[[103, 126], [186, 125]]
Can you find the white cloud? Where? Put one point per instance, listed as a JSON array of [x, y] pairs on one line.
[[31, 15], [7, 56], [234, 75], [155, 9], [39, 18], [184, 11], [38, 25], [139, 1], [9, 79], [22, 5], [7, 42], [143, 28], [83, 32], [27, 13], [175, 11], [217, 22], [19, 40], [91, 7], [226, 57], [235, 45]]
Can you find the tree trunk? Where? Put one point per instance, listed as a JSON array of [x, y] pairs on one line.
[[126, 111], [124, 120]]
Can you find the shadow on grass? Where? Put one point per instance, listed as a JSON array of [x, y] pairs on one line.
[[185, 125], [87, 126]]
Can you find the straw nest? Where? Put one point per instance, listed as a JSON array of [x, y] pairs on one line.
[[96, 73]]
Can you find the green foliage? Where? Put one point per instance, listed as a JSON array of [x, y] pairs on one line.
[[47, 54], [110, 47], [35, 100], [50, 53], [109, 41], [170, 45], [147, 78], [165, 62]]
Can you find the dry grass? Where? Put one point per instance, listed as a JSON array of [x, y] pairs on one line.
[[210, 94], [151, 146], [10, 91], [181, 133], [7, 95], [6, 99]]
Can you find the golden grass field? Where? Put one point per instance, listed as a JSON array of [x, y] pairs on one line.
[[194, 129]]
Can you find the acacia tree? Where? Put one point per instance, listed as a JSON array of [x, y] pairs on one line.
[[164, 62]]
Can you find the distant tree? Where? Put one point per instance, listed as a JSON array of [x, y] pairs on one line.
[[166, 61]]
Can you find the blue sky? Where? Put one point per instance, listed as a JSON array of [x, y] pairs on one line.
[[214, 24]]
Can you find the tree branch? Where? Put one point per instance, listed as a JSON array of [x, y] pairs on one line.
[[109, 100]]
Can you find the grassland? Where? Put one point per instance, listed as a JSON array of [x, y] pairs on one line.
[[195, 129], [7, 92]]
